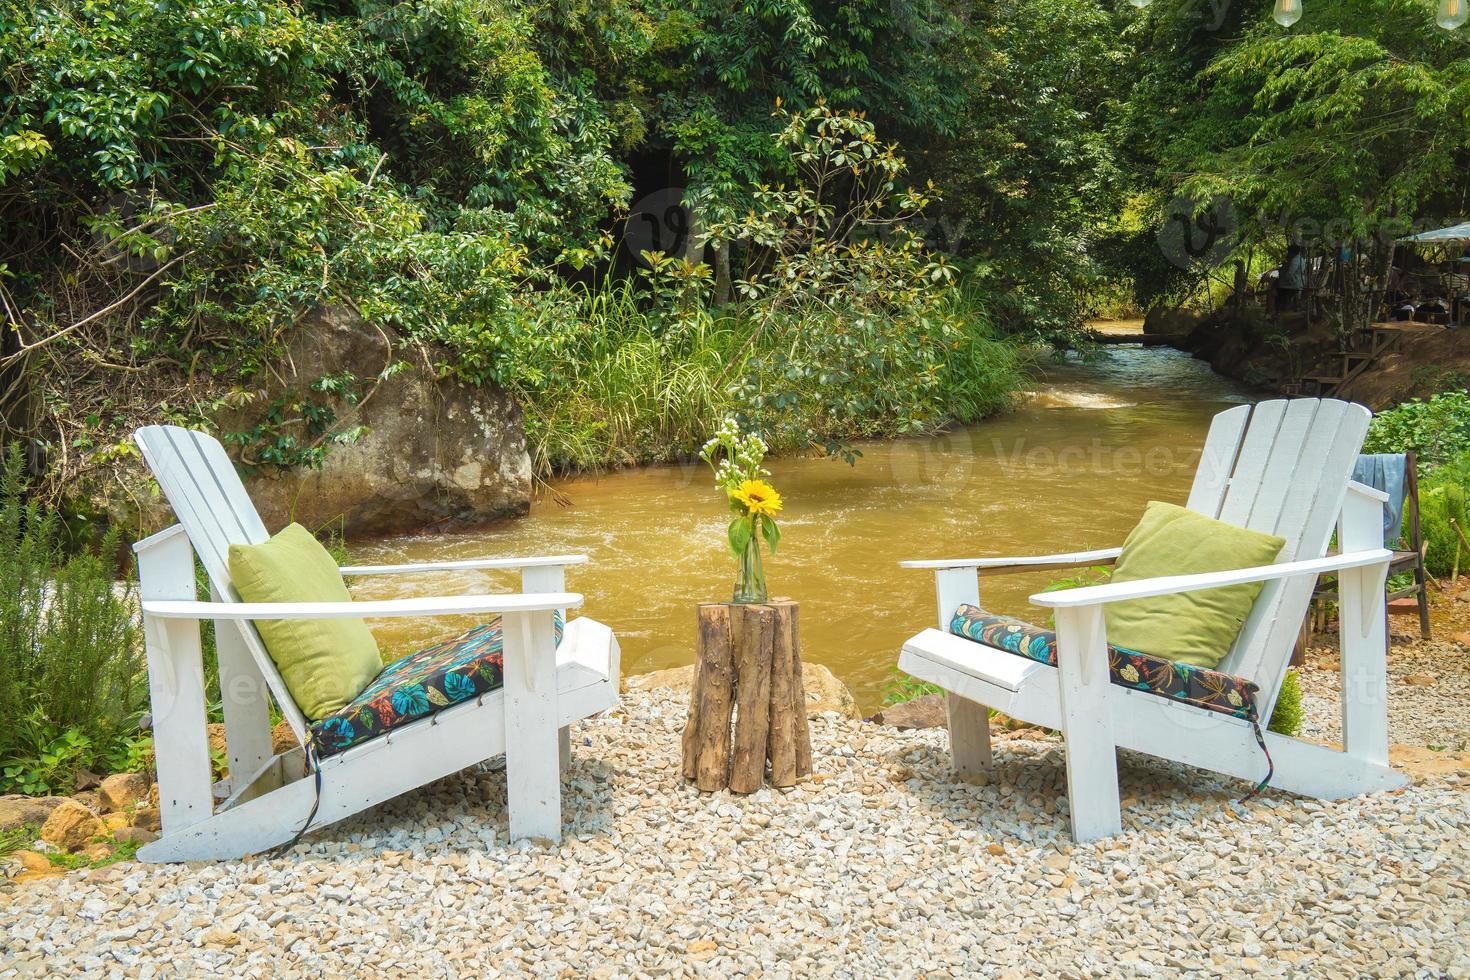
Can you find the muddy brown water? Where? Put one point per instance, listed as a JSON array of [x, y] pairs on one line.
[[1070, 468]]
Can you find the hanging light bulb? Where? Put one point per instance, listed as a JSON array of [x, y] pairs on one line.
[[1452, 14], [1140, 4], [1288, 12]]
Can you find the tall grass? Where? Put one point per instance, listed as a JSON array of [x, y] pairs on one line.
[[635, 382], [631, 385]]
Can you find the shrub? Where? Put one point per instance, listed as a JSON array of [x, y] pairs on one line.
[[846, 326], [1437, 430], [1442, 499], [72, 677], [1286, 717]]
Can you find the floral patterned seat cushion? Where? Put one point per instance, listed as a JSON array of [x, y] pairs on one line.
[[1198, 686], [416, 686]]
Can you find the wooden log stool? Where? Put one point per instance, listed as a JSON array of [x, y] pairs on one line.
[[748, 666]]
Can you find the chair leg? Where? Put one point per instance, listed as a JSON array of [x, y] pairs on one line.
[[1087, 724], [1364, 666], [969, 736], [532, 749]]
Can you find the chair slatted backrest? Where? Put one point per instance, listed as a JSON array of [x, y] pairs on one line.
[[201, 485], [1288, 464]]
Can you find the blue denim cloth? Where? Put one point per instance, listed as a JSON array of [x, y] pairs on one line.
[[1386, 472]]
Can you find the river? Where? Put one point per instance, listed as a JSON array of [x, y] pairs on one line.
[[1070, 468]]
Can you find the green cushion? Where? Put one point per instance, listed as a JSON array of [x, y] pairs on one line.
[[324, 662], [1194, 627]]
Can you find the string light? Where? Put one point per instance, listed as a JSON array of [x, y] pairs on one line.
[[1451, 14]]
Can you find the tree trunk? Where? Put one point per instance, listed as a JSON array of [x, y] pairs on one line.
[[722, 274]]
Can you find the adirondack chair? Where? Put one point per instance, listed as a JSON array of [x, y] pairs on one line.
[[269, 797], [1281, 467]]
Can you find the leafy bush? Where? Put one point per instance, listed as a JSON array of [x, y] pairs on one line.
[[846, 326], [1286, 717], [72, 676], [1436, 430], [1442, 498]]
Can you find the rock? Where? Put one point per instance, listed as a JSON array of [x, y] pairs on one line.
[[17, 811], [147, 818], [1463, 639], [87, 779], [824, 692], [97, 852], [927, 711], [134, 835], [31, 861], [28, 876], [116, 821], [219, 937], [71, 825], [1170, 320], [121, 791], [437, 451], [1420, 680], [282, 740], [995, 850]]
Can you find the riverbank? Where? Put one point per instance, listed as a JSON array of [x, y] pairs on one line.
[[1275, 355], [880, 863]]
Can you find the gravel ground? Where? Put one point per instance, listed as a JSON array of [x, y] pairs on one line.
[[1429, 693], [881, 865]]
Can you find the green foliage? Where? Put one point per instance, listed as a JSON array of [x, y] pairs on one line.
[[1286, 717], [1029, 168], [193, 182], [1436, 430], [903, 687], [71, 661], [1442, 499], [845, 326], [17, 838]]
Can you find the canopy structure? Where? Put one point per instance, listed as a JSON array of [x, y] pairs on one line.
[[1453, 235]]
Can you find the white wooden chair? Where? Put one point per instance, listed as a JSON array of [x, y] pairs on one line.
[[266, 800], [1281, 467]]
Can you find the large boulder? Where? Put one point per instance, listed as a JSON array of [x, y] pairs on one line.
[[1170, 320], [437, 451], [17, 811], [121, 791], [824, 692], [71, 826]]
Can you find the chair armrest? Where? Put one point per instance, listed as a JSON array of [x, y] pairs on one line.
[[470, 564], [1034, 563], [417, 606], [1092, 595]]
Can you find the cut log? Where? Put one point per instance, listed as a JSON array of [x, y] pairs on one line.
[[754, 634], [749, 660], [707, 733], [786, 697]]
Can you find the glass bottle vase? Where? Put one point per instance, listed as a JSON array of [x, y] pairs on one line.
[[750, 577]]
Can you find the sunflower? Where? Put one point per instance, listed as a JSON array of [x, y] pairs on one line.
[[758, 497]]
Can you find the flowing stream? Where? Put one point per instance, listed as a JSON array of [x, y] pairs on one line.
[[1071, 468]]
